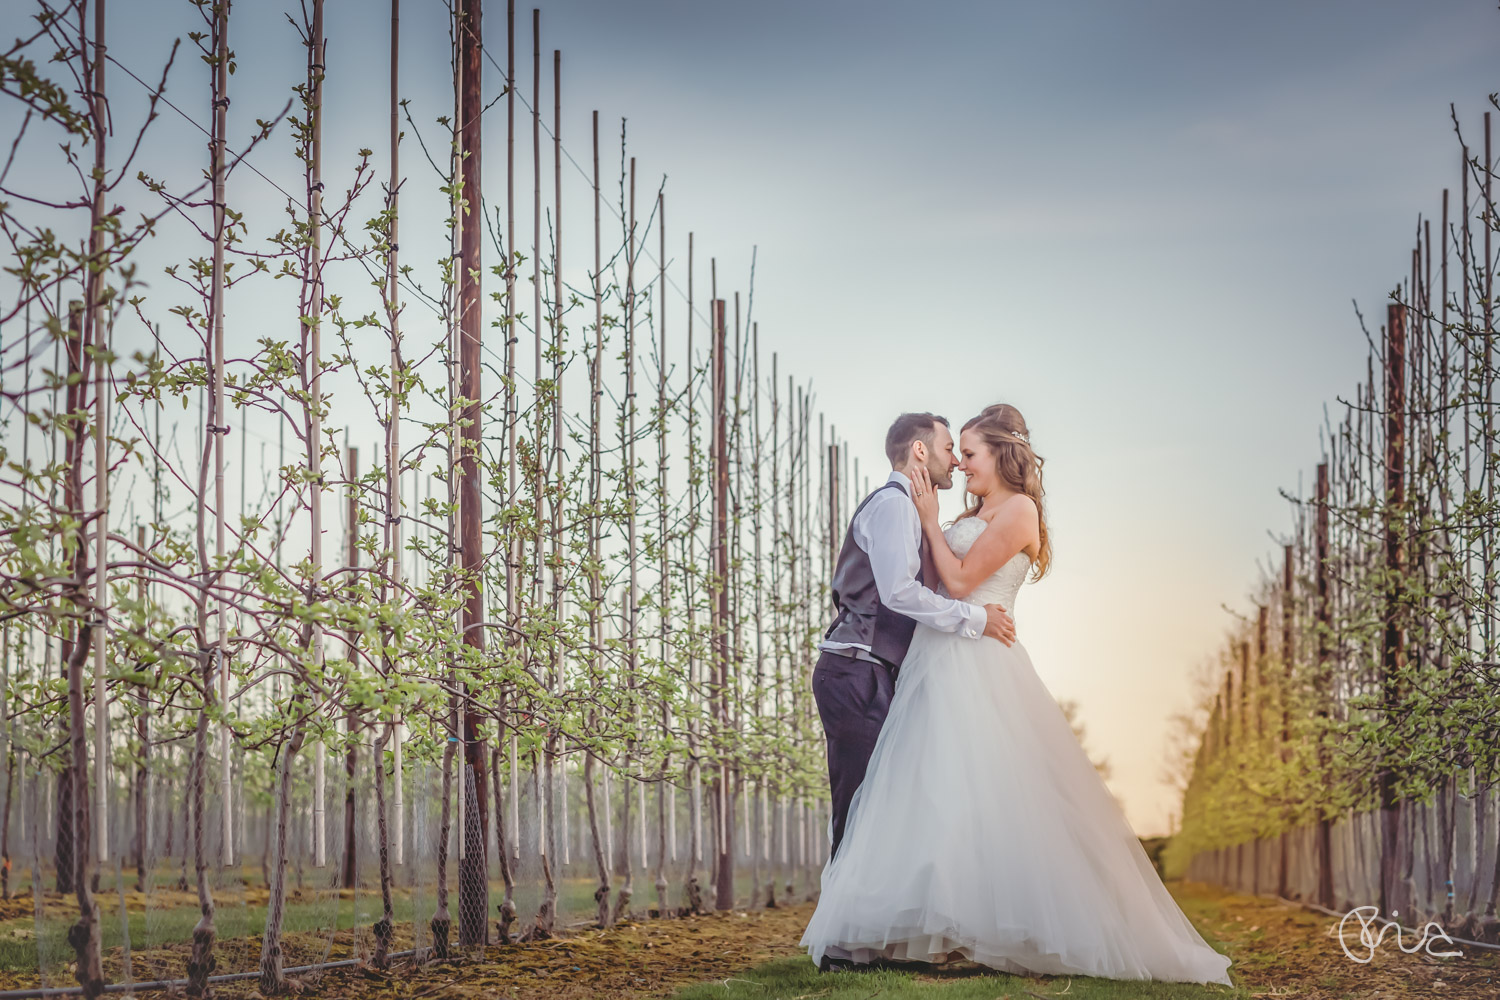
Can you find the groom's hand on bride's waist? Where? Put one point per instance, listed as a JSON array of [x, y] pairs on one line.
[[998, 624]]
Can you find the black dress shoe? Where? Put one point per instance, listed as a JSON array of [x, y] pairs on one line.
[[840, 965]]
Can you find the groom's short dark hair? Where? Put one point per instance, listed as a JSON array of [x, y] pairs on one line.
[[910, 427]]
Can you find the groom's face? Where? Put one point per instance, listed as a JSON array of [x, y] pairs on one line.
[[941, 459]]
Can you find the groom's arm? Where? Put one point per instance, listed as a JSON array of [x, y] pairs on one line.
[[888, 530]]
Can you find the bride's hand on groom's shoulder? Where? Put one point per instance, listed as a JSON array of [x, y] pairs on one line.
[[923, 496]]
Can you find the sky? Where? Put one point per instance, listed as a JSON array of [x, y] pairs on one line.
[[1145, 224]]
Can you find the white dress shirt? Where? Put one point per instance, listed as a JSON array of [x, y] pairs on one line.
[[890, 533]]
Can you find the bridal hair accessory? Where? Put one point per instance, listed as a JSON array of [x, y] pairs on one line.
[[1021, 437]]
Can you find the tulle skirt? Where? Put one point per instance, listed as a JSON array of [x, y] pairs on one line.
[[983, 828]]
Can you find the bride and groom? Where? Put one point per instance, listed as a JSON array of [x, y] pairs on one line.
[[966, 817]]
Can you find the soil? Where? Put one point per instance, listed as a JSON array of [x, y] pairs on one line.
[[1279, 950]]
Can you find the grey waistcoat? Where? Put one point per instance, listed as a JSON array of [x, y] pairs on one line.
[[861, 617]]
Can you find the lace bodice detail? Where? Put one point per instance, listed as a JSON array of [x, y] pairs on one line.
[[1001, 588]]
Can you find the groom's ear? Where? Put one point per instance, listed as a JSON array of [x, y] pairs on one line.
[[919, 451]]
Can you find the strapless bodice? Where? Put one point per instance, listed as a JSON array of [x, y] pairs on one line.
[[1005, 583]]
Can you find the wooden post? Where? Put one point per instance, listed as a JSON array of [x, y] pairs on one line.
[[143, 746], [219, 423], [761, 845], [393, 419], [310, 309], [99, 337], [832, 485], [694, 664], [795, 554], [310, 321], [1323, 692], [1392, 647], [1253, 695], [778, 802], [665, 801], [1230, 709], [1262, 627], [724, 792], [1288, 646], [553, 858], [1233, 720], [602, 853], [515, 554], [735, 584], [1243, 709], [632, 541], [348, 873], [473, 881]]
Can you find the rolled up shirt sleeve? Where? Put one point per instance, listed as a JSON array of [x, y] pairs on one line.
[[889, 531]]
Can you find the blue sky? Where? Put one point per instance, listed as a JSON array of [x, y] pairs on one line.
[[1142, 223]]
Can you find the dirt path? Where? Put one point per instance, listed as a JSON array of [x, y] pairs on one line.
[[636, 960], [1279, 950], [1283, 950]]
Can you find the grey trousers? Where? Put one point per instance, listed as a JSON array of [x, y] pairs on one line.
[[853, 698]]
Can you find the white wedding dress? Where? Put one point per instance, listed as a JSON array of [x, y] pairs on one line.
[[983, 828]]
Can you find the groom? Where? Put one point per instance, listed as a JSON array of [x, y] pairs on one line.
[[881, 587]]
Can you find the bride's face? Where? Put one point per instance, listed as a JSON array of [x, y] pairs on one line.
[[977, 463]]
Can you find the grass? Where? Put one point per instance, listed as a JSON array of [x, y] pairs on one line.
[[166, 916], [1279, 951], [798, 978]]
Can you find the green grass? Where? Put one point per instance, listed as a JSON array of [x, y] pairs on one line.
[[798, 979], [793, 978], [21, 949]]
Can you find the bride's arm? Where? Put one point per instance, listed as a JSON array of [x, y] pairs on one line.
[[1011, 529]]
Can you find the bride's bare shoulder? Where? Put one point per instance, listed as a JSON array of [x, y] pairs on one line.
[[1017, 516], [1016, 506]]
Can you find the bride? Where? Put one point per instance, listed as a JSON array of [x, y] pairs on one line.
[[981, 827]]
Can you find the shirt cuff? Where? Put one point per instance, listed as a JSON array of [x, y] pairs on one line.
[[975, 623]]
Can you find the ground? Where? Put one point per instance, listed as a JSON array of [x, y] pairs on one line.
[[1279, 950]]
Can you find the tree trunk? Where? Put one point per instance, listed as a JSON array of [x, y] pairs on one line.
[[201, 963], [10, 779], [384, 929], [1481, 797], [63, 848], [1447, 827], [349, 877], [546, 917], [752, 840], [601, 864], [271, 978], [84, 935], [622, 898], [507, 906], [267, 825], [1414, 813], [142, 788], [442, 921], [1489, 906], [661, 835]]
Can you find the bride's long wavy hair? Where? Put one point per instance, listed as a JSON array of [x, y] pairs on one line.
[[1004, 430]]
